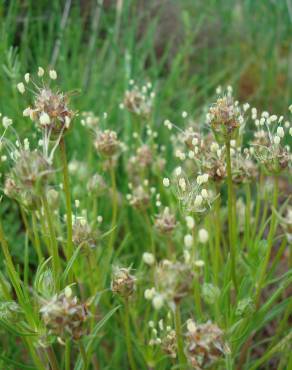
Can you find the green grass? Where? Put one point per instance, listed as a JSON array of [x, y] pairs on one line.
[[186, 49]]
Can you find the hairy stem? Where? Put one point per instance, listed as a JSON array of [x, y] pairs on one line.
[[271, 235], [37, 242], [128, 336], [83, 355], [54, 244], [52, 359], [231, 216], [66, 185], [179, 338]]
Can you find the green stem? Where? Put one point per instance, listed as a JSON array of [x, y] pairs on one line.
[[258, 205], [247, 216], [271, 234], [114, 207], [150, 230], [54, 243], [66, 185], [231, 217], [218, 257], [52, 359], [179, 338], [13, 275], [37, 243], [67, 354], [36, 358], [128, 336], [83, 355], [16, 283], [198, 303]]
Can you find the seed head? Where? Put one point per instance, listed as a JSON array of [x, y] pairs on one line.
[[64, 316], [83, 233], [204, 344], [107, 143], [139, 100], [28, 178], [173, 281], [165, 222], [140, 198], [225, 117], [96, 185], [123, 283], [50, 108]]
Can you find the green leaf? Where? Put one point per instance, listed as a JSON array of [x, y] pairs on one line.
[[70, 265], [93, 336], [17, 364]]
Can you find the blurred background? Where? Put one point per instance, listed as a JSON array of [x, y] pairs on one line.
[[185, 47]]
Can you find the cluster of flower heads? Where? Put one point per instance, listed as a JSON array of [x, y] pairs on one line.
[[64, 316], [29, 175], [164, 336], [268, 145], [123, 282], [139, 100], [140, 195], [83, 233], [173, 281], [49, 108], [204, 343], [193, 195]]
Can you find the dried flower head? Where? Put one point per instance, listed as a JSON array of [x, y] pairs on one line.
[[89, 120], [139, 100], [194, 196], [123, 283], [64, 316], [165, 221], [144, 156], [164, 336], [96, 185], [50, 108], [107, 143], [225, 117], [268, 144], [28, 177], [173, 281], [83, 233], [140, 197], [204, 344]]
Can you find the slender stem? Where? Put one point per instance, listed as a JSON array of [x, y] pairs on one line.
[[13, 275], [36, 358], [128, 336], [54, 243], [114, 207], [231, 217], [83, 354], [150, 230], [258, 204], [66, 185], [37, 243], [67, 354], [197, 296], [247, 216], [15, 280], [113, 222], [271, 234], [52, 359], [218, 257], [179, 338]]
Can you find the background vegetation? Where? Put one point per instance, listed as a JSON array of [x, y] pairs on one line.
[[185, 48]]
